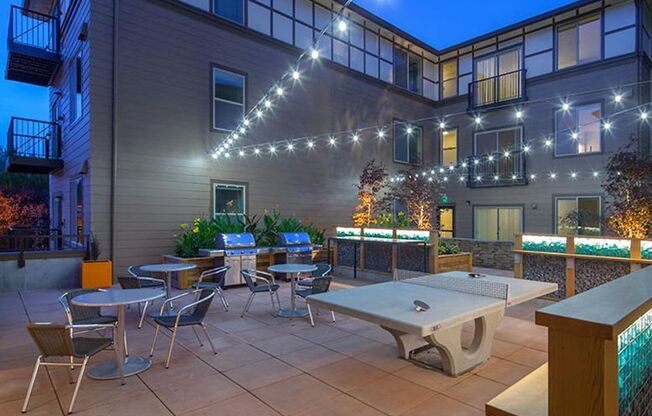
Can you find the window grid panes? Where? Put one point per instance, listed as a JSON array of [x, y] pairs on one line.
[[229, 199], [578, 215], [228, 99], [407, 146], [497, 223], [579, 42], [577, 130], [230, 9], [449, 79], [449, 147]]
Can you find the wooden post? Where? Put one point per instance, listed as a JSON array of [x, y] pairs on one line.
[[518, 257], [570, 267], [635, 253], [394, 252], [333, 246], [433, 252]]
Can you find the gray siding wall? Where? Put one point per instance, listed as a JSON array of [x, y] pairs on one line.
[[164, 99], [75, 134]]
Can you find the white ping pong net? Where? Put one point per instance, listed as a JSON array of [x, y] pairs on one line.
[[464, 285]]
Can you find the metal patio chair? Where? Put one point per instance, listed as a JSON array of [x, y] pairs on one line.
[[319, 285], [87, 315], [190, 315], [260, 282], [129, 282], [323, 270], [147, 279], [55, 340], [217, 274]]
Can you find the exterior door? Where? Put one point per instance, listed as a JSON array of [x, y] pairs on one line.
[[509, 82], [497, 223], [485, 71], [446, 221]]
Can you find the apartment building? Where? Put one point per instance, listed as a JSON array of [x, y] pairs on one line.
[[142, 91]]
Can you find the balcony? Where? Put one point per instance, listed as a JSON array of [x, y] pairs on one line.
[[33, 47], [497, 169], [33, 146], [501, 89]]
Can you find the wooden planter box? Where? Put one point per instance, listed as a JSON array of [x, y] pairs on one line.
[[185, 279], [96, 274], [451, 262]]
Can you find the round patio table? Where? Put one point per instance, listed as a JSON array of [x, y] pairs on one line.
[[168, 269], [292, 270], [123, 366]]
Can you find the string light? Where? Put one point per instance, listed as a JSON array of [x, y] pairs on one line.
[[246, 122], [272, 149], [279, 91], [381, 134], [565, 106], [618, 98], [596, 173], [526, 148], [533, 176], [257, 151], [311, 144], [506, 154], [442, 125], [295, 75], [314, 54], [259, 113], [268, 103], [215, 155], [548, 143], [553, 175], [409, 130], [356, 137], [519, 114], [342, 26], [643, 115], [478, 120], [573, 175], [575, 135], [290, 147], [607, 126], [241, 153], [332, 141]]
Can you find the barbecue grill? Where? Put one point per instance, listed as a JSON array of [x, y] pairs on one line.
[[239, 253], [298, 247]]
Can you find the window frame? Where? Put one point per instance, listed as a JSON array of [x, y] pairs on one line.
[[396, 123], [450, 207], [575, 23], [443, 80], [245, 196], [76, 78], [498, 130], [576, 197], [441, 145], [575, 107], [408, 54], [474, 220], [216, 67], [244, 12]]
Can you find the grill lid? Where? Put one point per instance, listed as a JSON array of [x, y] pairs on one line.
[[234, 241], [293, 239]]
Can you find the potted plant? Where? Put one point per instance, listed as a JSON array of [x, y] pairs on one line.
[[96, 273]]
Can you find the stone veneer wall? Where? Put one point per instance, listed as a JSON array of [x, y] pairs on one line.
[[491, 254]]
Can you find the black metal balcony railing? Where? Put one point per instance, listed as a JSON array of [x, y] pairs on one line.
[[503, 88], [34, 29], [497, 169], [33, 146], [41, 239]]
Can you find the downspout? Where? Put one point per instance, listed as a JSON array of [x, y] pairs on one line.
[[114, 130]]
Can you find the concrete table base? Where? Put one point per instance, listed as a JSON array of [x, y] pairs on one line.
[[453, 359], [109, 370]]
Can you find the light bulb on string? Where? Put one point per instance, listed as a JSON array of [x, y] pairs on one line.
[[310, 144], [573, 175], [643, 116], [332, 141], [565, 106], [295, 75], [618, 98], [259, 113], [574, 135], [478, 120], [381, 134], [268, 103], [442, 125], [519, 114], [314, 54], [256, 151], [214, 155], [241, 153], [279, 91], [548, 143], [355, 137], [342, 25], [272, 149], [606, 125], [533, 176], [245, 122]]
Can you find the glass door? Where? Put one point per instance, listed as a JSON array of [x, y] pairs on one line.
[[497, 223], [446, 220], [509, 80], [485, 72]]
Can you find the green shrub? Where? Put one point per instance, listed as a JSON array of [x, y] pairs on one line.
[[448, 248]]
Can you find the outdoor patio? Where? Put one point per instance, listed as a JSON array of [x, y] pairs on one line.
[[264, 365]]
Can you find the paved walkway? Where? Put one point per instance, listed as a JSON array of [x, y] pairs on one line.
[[265, 366]]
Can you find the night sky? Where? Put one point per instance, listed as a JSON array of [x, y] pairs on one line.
[[438, 23]]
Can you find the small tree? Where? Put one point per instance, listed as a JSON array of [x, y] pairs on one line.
[[628, 183], [372, 181], [419, 193]]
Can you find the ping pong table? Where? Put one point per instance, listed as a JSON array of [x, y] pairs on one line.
[[454, 299]]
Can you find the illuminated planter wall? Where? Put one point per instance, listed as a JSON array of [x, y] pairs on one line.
[[578, 263], [635, 366]]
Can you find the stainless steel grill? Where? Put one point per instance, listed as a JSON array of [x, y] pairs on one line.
[[239, 253], [297, 246]]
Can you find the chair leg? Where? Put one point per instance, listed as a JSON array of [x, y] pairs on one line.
[[142, 315], [312, 321], [79, 380], [333, 315], [278, 300], [210, 341], [31, 384], [246, 306], [271, 297], [201, 344], [151, 351], [225, 303], [174, 336]]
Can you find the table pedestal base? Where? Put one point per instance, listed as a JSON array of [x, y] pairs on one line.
[[108, 370], [290, 313]]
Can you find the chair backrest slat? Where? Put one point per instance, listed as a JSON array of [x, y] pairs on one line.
[[217, 273], [249, 279], [323, 270], [200, 310], [128, 282], [79, 313], [321, 284], [52, 340]]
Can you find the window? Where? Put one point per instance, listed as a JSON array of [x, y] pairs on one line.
[[495, 142], [407, 146], [229, 199], [497, 223], [76, 100], [498, 78], [449, 79], [577, 130], [578, 215], [449, 147], [228, 99], [77, 209], [229, 9], [579, 42], [407, 70], [446, 222]]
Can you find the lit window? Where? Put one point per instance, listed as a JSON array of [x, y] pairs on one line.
[[76, 96], [579, 42], [228, 99], [578, 130], [449, 147], [449, 79], [497, 223]]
